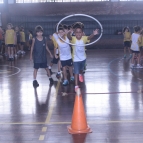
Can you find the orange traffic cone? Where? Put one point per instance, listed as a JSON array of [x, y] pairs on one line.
[[79, 123]]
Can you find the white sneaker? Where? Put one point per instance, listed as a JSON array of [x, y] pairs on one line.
[[132, 66], [139, 66], [15, 55], [19, 52], [22, 52]]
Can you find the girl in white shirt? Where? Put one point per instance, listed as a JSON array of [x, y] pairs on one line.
[[134, 46]]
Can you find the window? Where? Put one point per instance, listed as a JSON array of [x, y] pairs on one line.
[[30, 1], [39, 1], [1, 1]]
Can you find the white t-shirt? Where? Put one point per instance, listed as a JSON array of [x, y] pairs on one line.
[[64, 50], [79, 49], [134, 45]]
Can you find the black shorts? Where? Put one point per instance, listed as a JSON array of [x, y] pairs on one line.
[[67, 63], [22, 43], [55, 61], [127, 44], [141, 48], [10, 45], [136, 52], [40, 65]]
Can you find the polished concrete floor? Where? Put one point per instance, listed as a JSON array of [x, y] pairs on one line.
[[112, 96]]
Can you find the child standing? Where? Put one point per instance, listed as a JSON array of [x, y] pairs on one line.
[[78, 52], [140, 42], [65, 56], [18, 40], [30, 39], [10, 39], [39, 54], [22, 40], [127, 41], [135, 47]]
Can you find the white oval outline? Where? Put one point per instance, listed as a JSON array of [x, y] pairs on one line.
[[19, 70], [80, 15]]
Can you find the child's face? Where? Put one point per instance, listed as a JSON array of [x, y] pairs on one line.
[[126, 30], [9, 27], [61, 33], [40, 33], [78, 33], [16, 28], [66, 31]]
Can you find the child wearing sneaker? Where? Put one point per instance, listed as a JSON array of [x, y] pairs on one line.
[[135, 47], [140, 42], [10, 40], [78, 52], [127, 41], [39, 54], [65, 55]]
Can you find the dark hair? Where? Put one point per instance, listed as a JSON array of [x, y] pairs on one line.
[[60, 25], [78, 28], [69, 27], [38, 29], [65, 26], [10, 24], [141, 32], [21, 28], [78, 25], [124, 29], [30, 31], [137, 28], [60, 28]]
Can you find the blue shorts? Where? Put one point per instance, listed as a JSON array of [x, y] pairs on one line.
[[78, 66], [40, 65]]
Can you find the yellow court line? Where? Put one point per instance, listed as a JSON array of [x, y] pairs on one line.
[[22, 123], [42, 137], [89, 122], [44, 129], [52, 105]]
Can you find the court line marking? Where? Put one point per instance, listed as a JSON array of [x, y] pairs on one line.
[[44, 129], [42, 137], [89, 122], [52, 104], [19, 70]]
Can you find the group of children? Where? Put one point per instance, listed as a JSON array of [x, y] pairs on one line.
[[134, 43], [12, 41], [71, 58]]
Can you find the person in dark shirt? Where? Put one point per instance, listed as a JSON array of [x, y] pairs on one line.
[[38, 53]]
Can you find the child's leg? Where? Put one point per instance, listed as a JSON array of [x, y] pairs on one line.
[[9, 53], [35, 74], [65, 72], [138, 55], [12, 51], [71, 71], [35, 83], [132, 61], [49, 75], [48, 72], [124, 52]]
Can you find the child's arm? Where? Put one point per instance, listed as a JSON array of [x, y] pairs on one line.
[[49, 51], [95, 32], [15, 38], [33, 41]]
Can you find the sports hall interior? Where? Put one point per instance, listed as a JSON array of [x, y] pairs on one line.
[[112, 92]]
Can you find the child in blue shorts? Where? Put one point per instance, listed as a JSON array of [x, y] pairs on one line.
[[78, 52]]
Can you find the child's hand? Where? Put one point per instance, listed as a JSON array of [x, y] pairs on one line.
[[51, 55], [56, 56], [95, 32], [31, 58]]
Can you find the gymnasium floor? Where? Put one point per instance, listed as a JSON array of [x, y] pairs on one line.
[[112, 96]]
